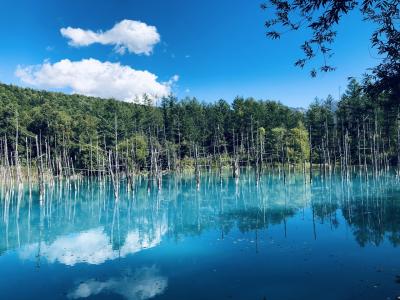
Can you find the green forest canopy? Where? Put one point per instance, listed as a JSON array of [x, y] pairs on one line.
[[247, 127]]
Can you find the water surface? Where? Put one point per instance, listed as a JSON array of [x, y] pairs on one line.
[[331, 239]]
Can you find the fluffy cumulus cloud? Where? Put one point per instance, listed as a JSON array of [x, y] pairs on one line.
[[91, 77], [127, 35]]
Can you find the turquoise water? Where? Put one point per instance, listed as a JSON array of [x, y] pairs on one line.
[[226, 240]]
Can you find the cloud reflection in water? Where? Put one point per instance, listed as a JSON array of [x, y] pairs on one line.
[[145, 283], [91, 247]]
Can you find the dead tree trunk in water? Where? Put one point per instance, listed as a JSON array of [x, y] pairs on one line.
[[236, 170], [398, 143], [39, 165], [311, 156], [116, 156], [28, 163], [113, 177], [196, 166], [17, 164], [111, 164]]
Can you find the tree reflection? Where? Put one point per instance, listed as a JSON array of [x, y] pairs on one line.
[[85, 213]]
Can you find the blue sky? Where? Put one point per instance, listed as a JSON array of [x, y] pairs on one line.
[[217, 48]]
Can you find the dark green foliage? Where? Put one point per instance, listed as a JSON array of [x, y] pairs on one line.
[[321, 17], [257, 132], [80, 123]]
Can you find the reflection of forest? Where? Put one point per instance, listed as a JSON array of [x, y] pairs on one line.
[[370, 207], [140, 219]]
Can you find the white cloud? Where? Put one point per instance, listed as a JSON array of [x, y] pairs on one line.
[[127, 35], [91, 77], [173, 79], [145, 283]]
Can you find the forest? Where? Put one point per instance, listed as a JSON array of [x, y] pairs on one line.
[[54, 134]]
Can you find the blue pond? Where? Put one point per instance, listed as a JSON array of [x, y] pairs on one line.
[[329, 239]]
